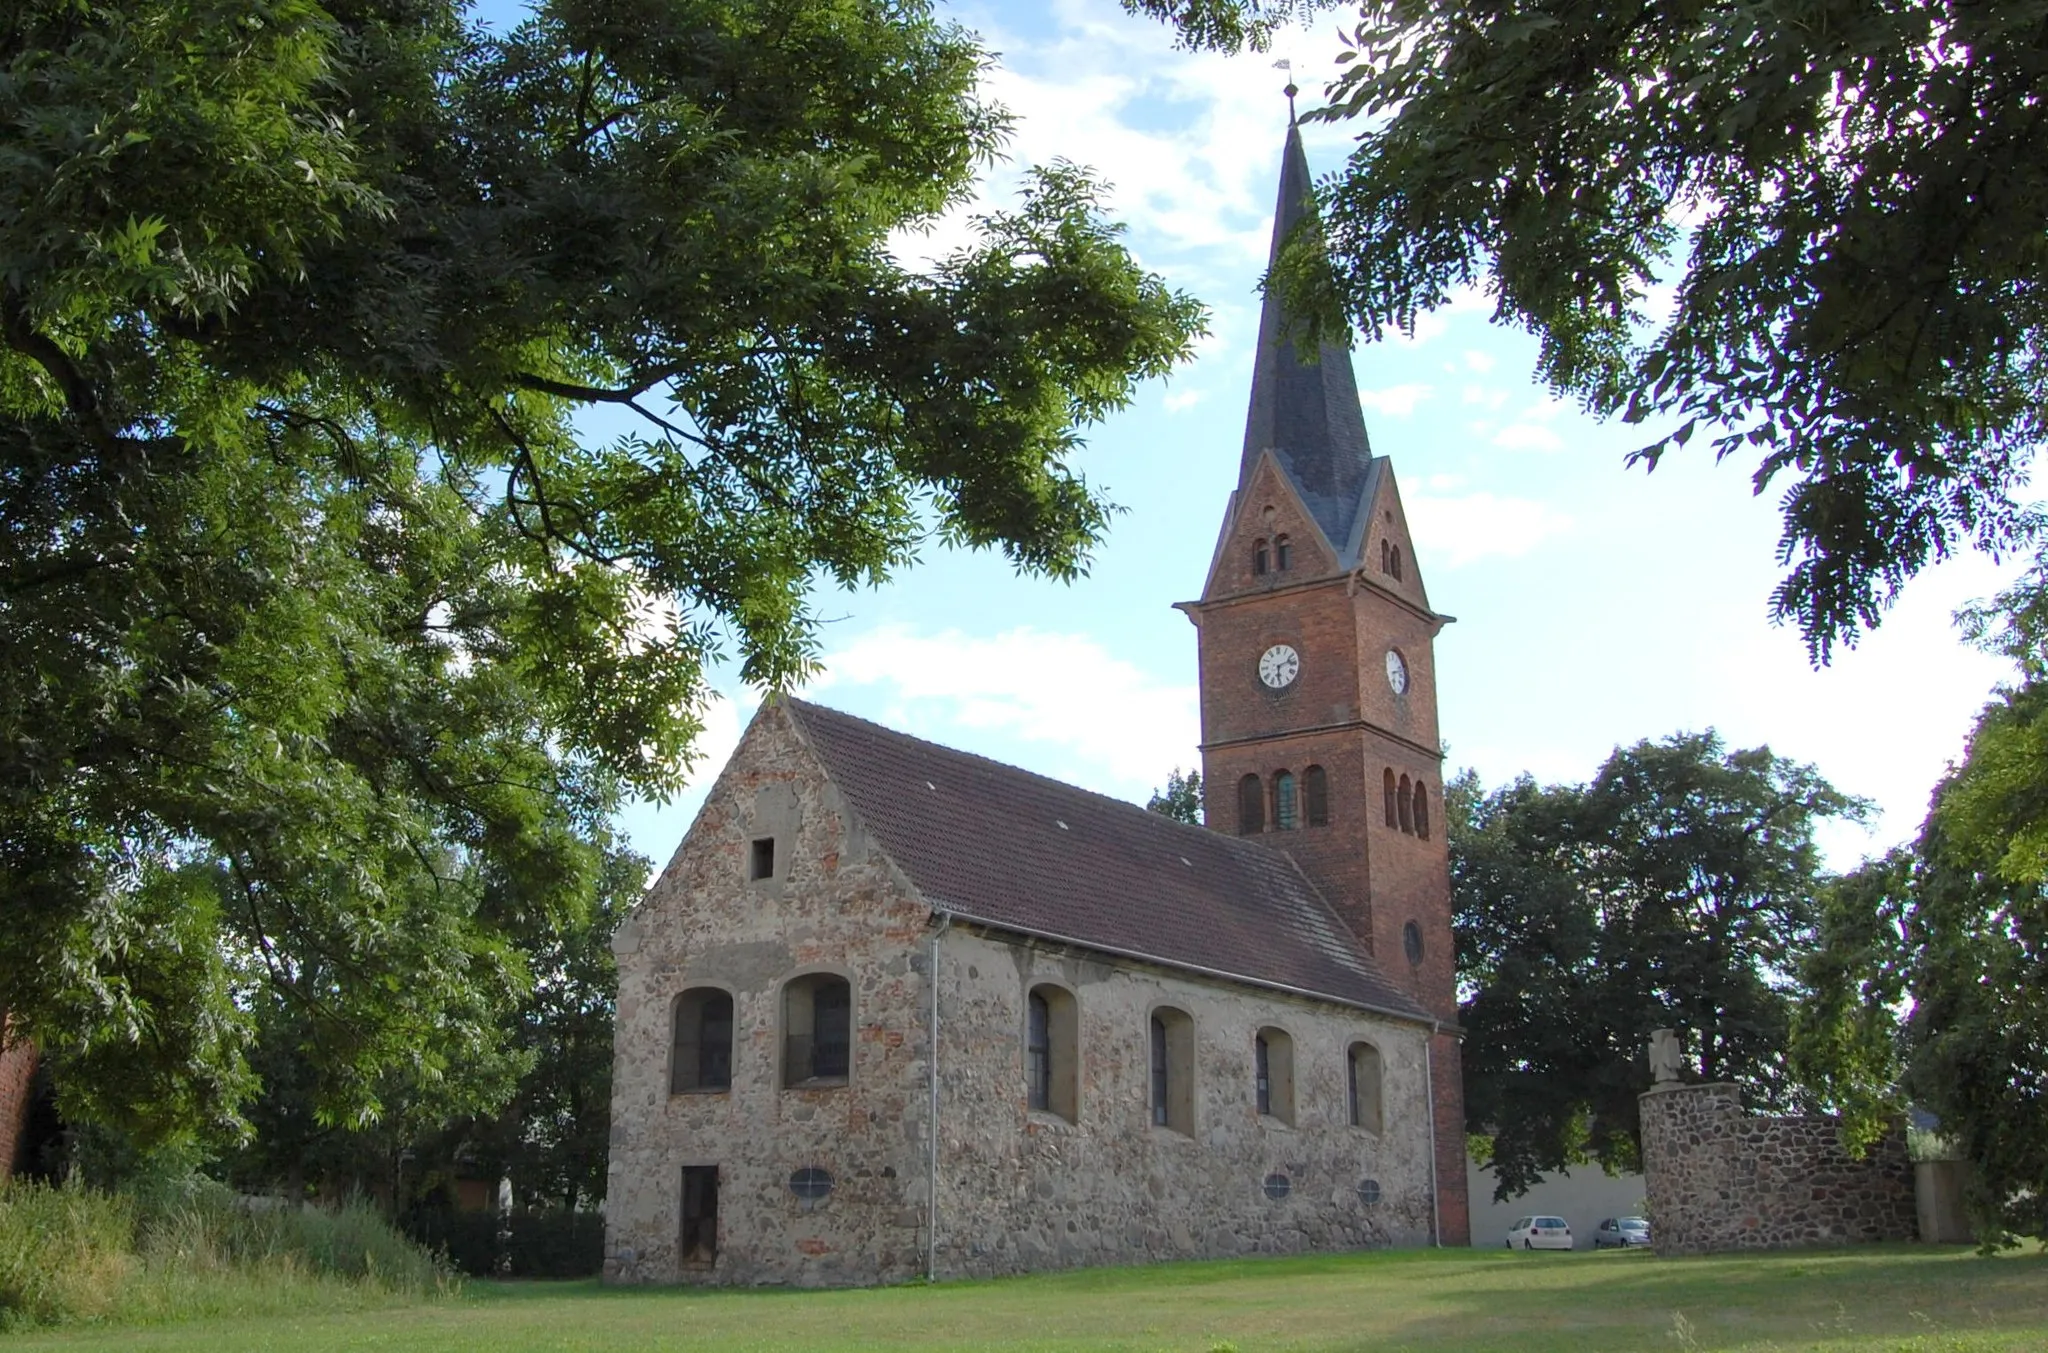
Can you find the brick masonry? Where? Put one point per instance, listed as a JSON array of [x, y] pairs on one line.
[[1719, 1179], [1017, 1190], [1342, 714], [17, 1071]]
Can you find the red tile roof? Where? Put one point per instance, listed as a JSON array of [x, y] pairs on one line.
[[1000, 846]]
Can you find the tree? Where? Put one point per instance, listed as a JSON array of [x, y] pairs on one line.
[[1853, 197], [1679, 888], [330, 632], [539, 1114], [1181, 800], [1960, 924]]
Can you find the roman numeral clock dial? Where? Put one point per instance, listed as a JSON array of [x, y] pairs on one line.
[[1278, 666]]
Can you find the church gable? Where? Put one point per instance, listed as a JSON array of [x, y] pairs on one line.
[[1386, 549], [1271, 539]]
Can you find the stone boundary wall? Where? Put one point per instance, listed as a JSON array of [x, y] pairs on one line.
[[1718, 1179]]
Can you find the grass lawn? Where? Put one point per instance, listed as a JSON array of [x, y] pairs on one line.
[[1908, 1299]]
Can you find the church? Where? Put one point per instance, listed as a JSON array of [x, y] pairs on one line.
[[895, 1010]]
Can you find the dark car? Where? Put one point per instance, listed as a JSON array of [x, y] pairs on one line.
[[1621, 1233]]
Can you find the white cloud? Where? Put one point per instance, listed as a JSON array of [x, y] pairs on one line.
[[1087, 714], [1177, 400], [1459, 530], [1528, 437], [1430, 325], [1396, 401], [1483, 397], [1475, 360]]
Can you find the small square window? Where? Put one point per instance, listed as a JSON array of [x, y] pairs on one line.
[[764, 859]]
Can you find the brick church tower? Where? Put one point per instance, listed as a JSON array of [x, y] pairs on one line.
[[1319, 727]]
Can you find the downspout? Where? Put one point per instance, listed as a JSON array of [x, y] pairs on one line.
[[1436, 1217], [931, 1230]]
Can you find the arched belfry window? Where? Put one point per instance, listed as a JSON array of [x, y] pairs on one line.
[[1286, 811], [1251, 806], [1283, 553], [1386, 556], [1051, 1051], [1407, 809], [1393, 812], [1365, 1087], [1315, 796], [701, 1057], [817, 1030], [1421, 797], [1260, 556]]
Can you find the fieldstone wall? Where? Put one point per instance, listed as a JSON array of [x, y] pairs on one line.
[[834, 904], [1023, 1190], [1718, 1179]]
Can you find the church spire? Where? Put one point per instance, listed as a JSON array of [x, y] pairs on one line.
[[1304, 405]]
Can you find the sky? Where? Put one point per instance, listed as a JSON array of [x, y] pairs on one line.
[[1596, 604]]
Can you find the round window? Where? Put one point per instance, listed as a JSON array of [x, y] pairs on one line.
[[1368, 1191], [1277, 1186], [811, 1183], [1411, 942]]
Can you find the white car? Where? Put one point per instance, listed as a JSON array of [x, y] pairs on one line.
[[1541, 1233]]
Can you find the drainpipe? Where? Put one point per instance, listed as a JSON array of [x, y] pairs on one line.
[[1436, 1216], [931, 1244]]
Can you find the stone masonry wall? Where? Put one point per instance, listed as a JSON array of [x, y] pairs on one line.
[[1718, 1179], [1024, 1190], [834, 904]]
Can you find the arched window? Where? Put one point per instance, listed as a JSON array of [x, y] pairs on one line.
[[1173, 1070], [1273, 1069], [1285, 810], [1315, 795], [1386, 555], [701, 1056], [1051, 1045], [1365, 1087], [1251, 806], [1393, 812], [1259, 556], [1283, 553], [1397, 563], [1421, 811], [1407, 809], [817, 1030]]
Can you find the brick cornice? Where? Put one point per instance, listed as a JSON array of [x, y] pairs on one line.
[[1314, 730], [1353, 582]]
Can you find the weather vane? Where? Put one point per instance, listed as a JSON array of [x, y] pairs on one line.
[[1290, 91]]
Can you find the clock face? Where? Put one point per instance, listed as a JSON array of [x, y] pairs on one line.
[[1278, 666], [1397, 672]]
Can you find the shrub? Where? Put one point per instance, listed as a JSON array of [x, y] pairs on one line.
[[71, 1253]]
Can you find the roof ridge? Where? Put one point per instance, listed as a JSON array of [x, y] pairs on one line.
[[1064, 786]]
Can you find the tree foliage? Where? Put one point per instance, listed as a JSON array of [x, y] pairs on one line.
[[537, 1110], [330, 631], [1678, 889], [1959, 923], [1852, 193], [1181, 800]]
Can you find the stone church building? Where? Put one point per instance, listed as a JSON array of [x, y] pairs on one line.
[[894, 1009]]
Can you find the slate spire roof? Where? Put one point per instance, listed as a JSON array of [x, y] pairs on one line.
[[1002, 847], [1304, 404]]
